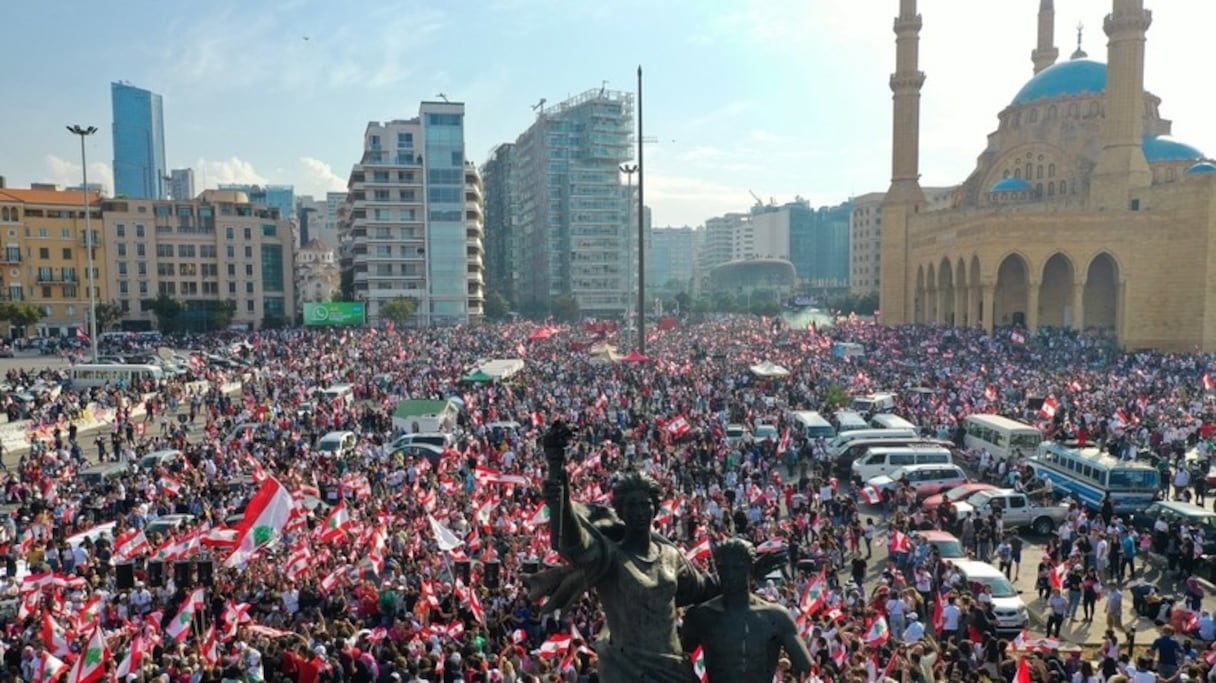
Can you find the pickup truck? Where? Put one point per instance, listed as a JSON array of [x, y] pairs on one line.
[[1017, 510]]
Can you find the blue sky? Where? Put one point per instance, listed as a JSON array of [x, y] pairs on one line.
[[780, 97]]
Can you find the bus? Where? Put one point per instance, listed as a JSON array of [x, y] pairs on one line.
[[89, 375], [813, 425], [1088, 474], [1000, 436]]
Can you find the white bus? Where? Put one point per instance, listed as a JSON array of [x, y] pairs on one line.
[[813, 425], [87, 375], [1088, 475], [1000, 436]]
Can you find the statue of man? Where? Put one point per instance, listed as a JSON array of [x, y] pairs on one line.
[[742, 635]]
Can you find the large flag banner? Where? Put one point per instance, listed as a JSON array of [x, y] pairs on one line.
[[443, 536], [90, 666], [265, 516]]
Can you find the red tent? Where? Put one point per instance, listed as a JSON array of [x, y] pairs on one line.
[[635, 357]]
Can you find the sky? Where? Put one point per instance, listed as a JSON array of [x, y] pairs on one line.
[[783, 98]]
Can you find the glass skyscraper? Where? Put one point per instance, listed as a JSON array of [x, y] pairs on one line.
[[139, 142]]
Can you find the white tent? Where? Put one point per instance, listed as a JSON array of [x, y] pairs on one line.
[[769, 369], [502, 369]]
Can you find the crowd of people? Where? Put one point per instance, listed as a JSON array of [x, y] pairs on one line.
[[394, 567]]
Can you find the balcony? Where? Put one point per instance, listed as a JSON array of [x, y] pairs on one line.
[[47, 279], [8, 258]]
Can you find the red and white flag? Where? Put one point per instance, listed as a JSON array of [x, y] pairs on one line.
[[336, 523], [700, 551], [871, 495], [211, 647], [1023, 672], [1018, 337], [485, 475], [49, 668], [678, 428], [90, 666], [1208, 383], [813, 597], [180, 627], [698, 665], [170, 486], [131, 663], [900, 542], [265, 516], [878, 633], [1049, 407], [54, 637], [555, 646], [130, 544]]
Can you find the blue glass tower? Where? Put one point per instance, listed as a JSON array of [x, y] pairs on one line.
[[139, 142]]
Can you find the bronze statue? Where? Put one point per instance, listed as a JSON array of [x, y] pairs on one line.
[[741, 634], [641, 579]]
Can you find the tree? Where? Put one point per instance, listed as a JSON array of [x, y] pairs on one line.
[[346, 285], [565, 308], [109, 313], [20, 313], [684, 302], [399, 310], [168, 311], [496, 306], [837, 397]]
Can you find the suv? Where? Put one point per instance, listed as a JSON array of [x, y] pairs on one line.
[[1176, 513], [1007, 604], [925, 480]]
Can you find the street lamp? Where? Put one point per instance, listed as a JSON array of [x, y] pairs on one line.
[[88, 231], [629, 170]]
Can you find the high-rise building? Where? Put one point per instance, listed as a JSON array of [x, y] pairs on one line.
[[45, 260], [411, 226], [819, 245], [139, 142], [204, 252], [498, 174], [671, 258], [573, 230], [281, 197], [865, 231], [181, 183], [328, 232], [310, 220]]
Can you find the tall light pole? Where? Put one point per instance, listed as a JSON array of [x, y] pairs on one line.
[[628, 170], [641, 231], [88, 231]]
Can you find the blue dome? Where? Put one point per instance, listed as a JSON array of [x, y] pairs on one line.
[[1012, 185], [1065, 79], [1202, 167], [1157, 149]]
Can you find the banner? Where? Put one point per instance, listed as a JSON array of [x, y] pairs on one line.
[[336, 313]]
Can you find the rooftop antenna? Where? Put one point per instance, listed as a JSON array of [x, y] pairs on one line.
[[603, 87], [1079, 54], [442, 96]]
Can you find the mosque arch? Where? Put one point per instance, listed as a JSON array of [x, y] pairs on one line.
[[945, 292], [962, 295], [1100, 300], [1057, 304], [918, 303], [1012, 291], [931, 308], [976, 307]]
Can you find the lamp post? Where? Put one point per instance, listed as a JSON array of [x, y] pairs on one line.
[[629, 170], [88, 231], [641, 231]]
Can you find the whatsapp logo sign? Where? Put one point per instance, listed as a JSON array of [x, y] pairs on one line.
[[334, 313]]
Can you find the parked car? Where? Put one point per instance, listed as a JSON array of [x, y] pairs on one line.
[[947, 544], [925, 480], [954, 495], [1017, 510], [766, 432], [737, 436], [1176, 513], [6, 351]]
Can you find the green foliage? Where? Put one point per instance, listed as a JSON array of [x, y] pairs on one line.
[[274, 322], [836, 398], [684, 301], [20, 313], [398, 311], [861, 304], [346, 286], [109, 313], [168, 311], [565, 308], [496, 306]]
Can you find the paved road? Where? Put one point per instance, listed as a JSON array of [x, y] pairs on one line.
[[1079, 632]]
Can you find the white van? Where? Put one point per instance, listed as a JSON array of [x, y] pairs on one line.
[[813, 425], [874, 403], [883, 460], [889, 421], [848, 420], [337, 444], [1007, 603], [842, 440], [346, 392]]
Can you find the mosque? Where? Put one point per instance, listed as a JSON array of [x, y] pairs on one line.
[[1081, 212]]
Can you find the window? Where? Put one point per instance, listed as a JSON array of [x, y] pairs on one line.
[[46, 292], [232, 288], [123, 286], [165, 269], [249, 305], [248, 234], [65, 233], [143, 288], [1063, 187], [212, 288], [1051, 170], [15, 293], [164, 287], [229, 232], [373, 141], [185, 251], [120, 230], [231, 270], [164, 251], [139, 231], [42, 233], [443, 119], [249, 288], [1038, 172], [405, 140], [140, 251], [141, 268], [121, 248], [273, 276], [269, 230], [248, 252], [69, 291], [44, 253], [230, 251], [206, 251], [248, 270]]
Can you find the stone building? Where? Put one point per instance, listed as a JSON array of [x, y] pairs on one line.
[[1081, 211]]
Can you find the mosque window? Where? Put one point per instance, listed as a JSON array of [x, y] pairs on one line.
[[1063, 187], [1074, 110], [1051, 113], [1051, 170], [1051, 189], [1017, 119], [1038, 172], [1017, 173], [1038, 189], [1029, 170], [1033, 116], [1006, 174]]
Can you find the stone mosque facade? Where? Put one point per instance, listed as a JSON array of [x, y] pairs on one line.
[[1081, 212]]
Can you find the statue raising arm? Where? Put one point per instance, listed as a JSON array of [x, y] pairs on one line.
[[565, 525]]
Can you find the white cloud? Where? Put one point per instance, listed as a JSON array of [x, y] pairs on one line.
[[210, 174], [320, 178], [67, 174], [688, 200]]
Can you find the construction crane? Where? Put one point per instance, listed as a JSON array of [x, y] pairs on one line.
[[442, 96], [539, 105], [755, 196]]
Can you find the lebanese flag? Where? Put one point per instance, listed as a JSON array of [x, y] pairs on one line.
[[784, 444], [82, 335], [444, 537], [485, 475], [298, 563], [666, 512], [878, 633], [813, 597], [234, 615], [211, 647], [179, 628], [773, 545], [220, 537], [171, 486], [698, 665], [678, 428], [1018, 337], [49, 668], [136, 650], [556, 645], [871, 495], [336, 523], [90, 666], [54, 638], [1049, 408], [900, 542], [1208, 383], [130, 544], [265, 516], [1057, 575], [541, 516], [699, 551]]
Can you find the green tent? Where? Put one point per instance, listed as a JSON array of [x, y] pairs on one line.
[[478, 376]]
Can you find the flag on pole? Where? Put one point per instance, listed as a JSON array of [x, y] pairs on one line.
[[48, 669], [1018, 337], [443, 536], [556, 645], [54, 638], [90, 666], [878, 633], [180, 627], [265, 516], [698, 665], [336, 523]]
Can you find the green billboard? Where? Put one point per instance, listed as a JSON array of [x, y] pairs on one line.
[[335, 313]]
